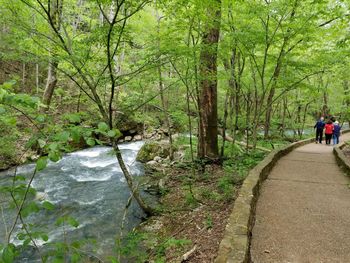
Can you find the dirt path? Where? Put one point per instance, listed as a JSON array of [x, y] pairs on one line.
[[303, 212]]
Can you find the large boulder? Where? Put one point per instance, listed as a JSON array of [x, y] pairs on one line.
[[150, 150]]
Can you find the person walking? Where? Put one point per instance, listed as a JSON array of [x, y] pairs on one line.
[[336, 132], [328, 130], [319, 126]]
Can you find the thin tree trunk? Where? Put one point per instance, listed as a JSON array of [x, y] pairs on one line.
[[298, 120], [237, 90], [277, 72], [346, 93], [248, 118], [189, 121], [224, 123], [133, 188], [37, 78], [283, 125], [78, 104], [50, 84], [161, 91], [304, 119], [23, 76]]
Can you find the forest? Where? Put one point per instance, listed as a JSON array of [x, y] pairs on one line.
[[204, 89]]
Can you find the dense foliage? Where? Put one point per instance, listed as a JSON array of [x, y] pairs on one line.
[[78, 73]]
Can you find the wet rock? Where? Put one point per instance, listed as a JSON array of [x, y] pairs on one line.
[[128, 138], [137, 138], [152, 163], [41, 196], [157, 159], [133, 131], [152, 149]]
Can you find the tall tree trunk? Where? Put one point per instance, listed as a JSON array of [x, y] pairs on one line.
[[55, 15], [208, 123], [161, 91]]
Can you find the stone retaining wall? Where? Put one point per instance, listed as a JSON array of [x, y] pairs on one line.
[[235, 246], [342, 160]]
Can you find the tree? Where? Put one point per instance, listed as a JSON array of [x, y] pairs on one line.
[[207, 103], [54, 16]]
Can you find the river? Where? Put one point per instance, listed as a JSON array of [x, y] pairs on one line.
[[87, 185]]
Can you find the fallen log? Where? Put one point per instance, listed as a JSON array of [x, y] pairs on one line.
[[230, 139]]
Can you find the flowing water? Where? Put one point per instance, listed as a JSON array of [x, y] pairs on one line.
[[87, 185]]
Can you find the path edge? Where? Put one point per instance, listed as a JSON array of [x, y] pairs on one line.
[[235, 245]]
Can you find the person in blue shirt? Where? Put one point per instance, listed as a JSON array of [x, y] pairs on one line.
[[336, 132], [319, 126]]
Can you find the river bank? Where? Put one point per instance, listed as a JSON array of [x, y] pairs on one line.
[[195, 202]]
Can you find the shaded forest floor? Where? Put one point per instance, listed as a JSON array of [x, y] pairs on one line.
[[195, 206]]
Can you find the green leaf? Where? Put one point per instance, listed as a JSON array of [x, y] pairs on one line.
[[90, 141], [102, 126], [45, 237], [75, 258], [111, 133], [41, 163], [118, 133], [74, 118], [99, 142], [54, 156], [41, 143], [114, 133], [41, 118], [21, 236], [71, 221], [60, 221], [63, 136], [2, 110], [76, 134], [20, 178], [53, 146], [31, 208], [8, 254], [48, 206], [27, 242]]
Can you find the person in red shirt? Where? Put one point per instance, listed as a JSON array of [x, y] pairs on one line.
[[328, 130]]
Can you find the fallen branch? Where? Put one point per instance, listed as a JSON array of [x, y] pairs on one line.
[[188, 254], [230, 139], [256, 147]]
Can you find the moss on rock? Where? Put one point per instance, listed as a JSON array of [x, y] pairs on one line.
[[152, 149]]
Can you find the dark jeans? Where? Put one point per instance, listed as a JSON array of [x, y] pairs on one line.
[[319, 135], [328, 138]]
